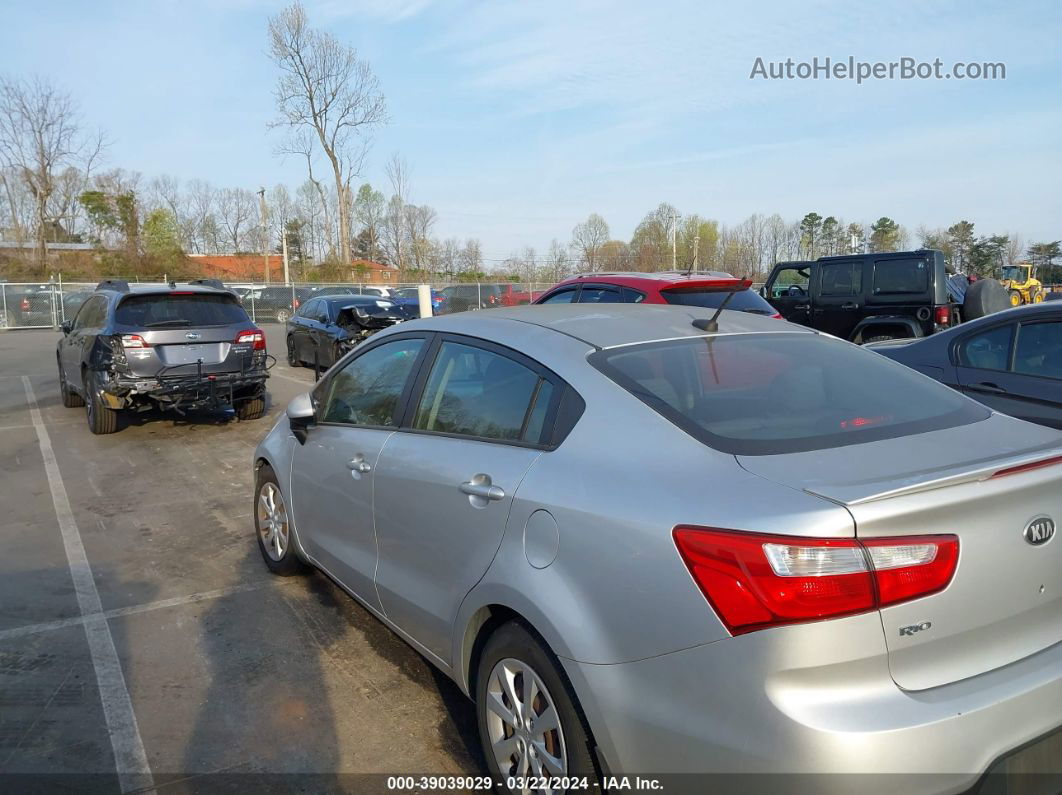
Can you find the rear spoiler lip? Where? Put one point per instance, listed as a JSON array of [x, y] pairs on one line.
[[977, 474]]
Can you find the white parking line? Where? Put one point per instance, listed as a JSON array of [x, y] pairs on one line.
[[119, 612], [130, 759], [292, 378]]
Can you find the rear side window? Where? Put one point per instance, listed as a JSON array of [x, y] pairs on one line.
[[180, 309], [744, 301], [901, 276], [476, 392], [987, 350], [765, 394], [841, 278], [600, 295]]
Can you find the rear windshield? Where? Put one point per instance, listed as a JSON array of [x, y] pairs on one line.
[[744, 301], [764, 394], [171, 309]]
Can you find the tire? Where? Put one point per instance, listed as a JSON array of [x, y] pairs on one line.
[[280, 558], [252, 409], [1037, 296], [283, 315], [1016, 298], [292, 360], [101, 419], [513, 647], [880, 338], [71, 399], [984, 297]]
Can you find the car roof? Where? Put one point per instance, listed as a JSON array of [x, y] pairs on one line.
[[656, 279], [164, 289], [349, 300], [606, 325]]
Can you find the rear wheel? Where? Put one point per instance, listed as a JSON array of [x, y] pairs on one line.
[[101, 419], [272, 526], [71, 399], [529, 721], [283, 315], [1037, 296], [251, 409], [1015, 298], [293, 360], [880, 338]]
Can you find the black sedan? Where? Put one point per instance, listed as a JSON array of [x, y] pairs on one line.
[[1011, 361], [323, 329]]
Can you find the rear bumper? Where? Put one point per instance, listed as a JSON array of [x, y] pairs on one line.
[[184, 391], [804, 702]]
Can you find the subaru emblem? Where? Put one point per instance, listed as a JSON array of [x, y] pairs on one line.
[[1040, 530], [192, 335]]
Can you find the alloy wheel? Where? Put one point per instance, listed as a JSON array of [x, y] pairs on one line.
[[522, 722], [272, 521]]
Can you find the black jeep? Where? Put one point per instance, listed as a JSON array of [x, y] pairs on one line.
[[872, 297], [180, 348]]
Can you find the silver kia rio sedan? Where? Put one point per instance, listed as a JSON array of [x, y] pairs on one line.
[[646, 544]]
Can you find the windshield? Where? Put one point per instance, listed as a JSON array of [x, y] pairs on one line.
[[743, 301], [763, 394], [1014, 273], [171, 309]]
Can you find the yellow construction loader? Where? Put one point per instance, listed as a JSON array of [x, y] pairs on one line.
[[1022, 286]]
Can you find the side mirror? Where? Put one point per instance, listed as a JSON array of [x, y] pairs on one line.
[[300, 415], [67, 326]]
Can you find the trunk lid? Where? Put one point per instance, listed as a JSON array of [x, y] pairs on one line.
[[1004, 602]]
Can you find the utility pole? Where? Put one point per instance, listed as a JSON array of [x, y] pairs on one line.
[[265, 235], [284, 248], [696, 251], [674, 241]]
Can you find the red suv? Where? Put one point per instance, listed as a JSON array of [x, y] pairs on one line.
[[705, 289]]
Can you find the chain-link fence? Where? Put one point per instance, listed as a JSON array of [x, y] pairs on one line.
[[48, 304]]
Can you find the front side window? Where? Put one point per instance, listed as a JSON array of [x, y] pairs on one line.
[[561, 296], [1039, 349], [367, 390], [476, 392], [988, 350], [791, 282], [765, 394]]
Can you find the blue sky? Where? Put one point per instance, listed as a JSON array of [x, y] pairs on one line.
[[518, 119]]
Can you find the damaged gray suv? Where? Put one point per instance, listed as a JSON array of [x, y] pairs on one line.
[[181, 349]]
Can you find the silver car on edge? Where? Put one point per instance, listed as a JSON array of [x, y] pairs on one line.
[[646, 544]]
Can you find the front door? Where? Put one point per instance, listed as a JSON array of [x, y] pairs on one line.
[[788, 290], [838, 298], [333, 472], [444, 487]]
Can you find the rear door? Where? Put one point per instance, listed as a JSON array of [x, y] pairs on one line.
[[838, 297], [444, 486]]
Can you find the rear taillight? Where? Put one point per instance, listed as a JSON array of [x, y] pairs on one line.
[[943, 315], [755, 581], [134, 341], [253, 337]]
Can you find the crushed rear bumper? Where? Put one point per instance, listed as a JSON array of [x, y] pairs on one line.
[[187, 387]]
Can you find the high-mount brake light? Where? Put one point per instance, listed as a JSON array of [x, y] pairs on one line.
[[134, 341], [253, 337], [181, 292], [755, 581]]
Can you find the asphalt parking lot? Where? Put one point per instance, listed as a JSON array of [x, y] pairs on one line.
[[140, 623]]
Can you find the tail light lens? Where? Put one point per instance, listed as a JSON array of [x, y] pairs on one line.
[[134, 341], [253, 337], [943, 315], [755, 581]]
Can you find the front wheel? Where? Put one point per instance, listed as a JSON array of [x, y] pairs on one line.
[[1016, 298], [273, 527], [529, 721], [283, 315]]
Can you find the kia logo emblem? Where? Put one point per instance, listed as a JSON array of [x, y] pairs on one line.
[[192, 335], [1040, 530]]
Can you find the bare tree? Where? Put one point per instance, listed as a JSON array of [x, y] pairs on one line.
[[40, 136], [588, 238], [237, 208], [325, 89], [201, 202]]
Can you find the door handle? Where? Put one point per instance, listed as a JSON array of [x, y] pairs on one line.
[[993, 389], [483, 490], [359, 464], [801, 306], [849, 306]]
